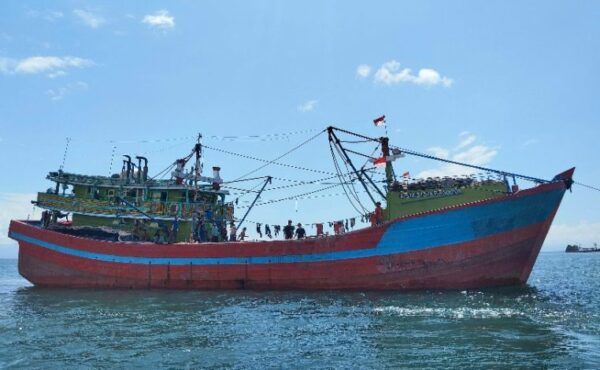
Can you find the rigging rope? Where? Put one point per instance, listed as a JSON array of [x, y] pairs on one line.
[[297, 196], [265, 160], [587, 186], [65, 154], [112, 157], [163, 172], [342, 180], [295, 184], [423, 155], [523, 177], [283, 155], [353, 190], [262, 137], [271, 161]]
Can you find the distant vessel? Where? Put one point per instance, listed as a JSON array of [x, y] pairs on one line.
[[132, 231], [575, 248]]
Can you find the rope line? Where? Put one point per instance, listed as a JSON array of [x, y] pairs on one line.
[[587, 186], [265, 160], [112, 157], [341, 178], [297, 196], [423, 155], [65, 153], [283, 155], [351, 188], [261, 137]]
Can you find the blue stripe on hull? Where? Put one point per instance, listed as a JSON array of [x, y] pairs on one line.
[[430, 231], [470, 223]]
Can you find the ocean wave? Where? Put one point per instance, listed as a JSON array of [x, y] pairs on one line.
[[455, 313]]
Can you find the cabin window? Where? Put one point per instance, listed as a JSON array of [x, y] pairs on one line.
[[163, 196], [111, 193]]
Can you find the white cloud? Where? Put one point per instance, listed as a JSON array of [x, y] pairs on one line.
[[478, 155], [363, 70], [47, 15], [60, 92], [56, 74], [428, 76], [5, 65], [529, 142], [390, 73], [39, 64], [584, 233], [439, 152], [466, 140], [88, 18], [309, 106], [160, 19], [52, 65], [14, 206]]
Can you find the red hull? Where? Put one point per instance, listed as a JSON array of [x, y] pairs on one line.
[[393, 256]]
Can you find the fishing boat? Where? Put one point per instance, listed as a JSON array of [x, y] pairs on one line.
[[129, 230], [575, 248]]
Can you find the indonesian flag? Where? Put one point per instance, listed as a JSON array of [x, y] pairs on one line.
[[377, 162], [406, 174], [379, 121], [382, 160]]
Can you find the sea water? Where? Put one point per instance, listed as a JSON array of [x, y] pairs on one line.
[[552, 322]]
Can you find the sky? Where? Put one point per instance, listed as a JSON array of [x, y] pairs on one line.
[[507, 85]]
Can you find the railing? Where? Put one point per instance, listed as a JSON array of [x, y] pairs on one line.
[[114, 207]]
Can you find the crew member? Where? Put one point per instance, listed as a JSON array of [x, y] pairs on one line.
[[232, 232], [378, 213], [215, 233], [288, 230], [300, 232]]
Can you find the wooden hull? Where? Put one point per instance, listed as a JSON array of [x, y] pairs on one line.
[[481, 244]]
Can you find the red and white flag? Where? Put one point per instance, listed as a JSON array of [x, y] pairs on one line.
[[406, 174], [378, 161], [379, 121]]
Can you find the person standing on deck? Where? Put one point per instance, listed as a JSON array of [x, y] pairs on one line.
[[201, 230], [215, 233], [288, 230], [208, 226], [378, 214], [232, 232], [174, 230], [243, 234], [194, 228], [223, 229], [300, 232]]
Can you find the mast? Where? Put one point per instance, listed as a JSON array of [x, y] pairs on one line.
[[198, 165], [389, 170]]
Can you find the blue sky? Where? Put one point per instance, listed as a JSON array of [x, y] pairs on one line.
[[509, 85]]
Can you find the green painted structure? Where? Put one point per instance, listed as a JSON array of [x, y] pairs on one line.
[[148, 209]]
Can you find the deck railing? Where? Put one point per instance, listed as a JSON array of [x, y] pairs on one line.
[[114, 207]]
